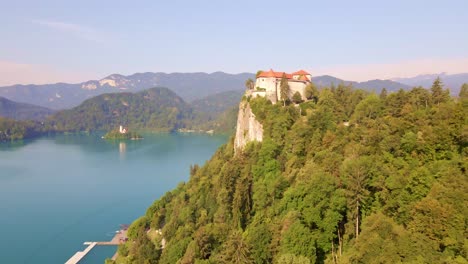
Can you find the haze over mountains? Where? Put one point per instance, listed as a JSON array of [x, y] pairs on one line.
[[190, 86], [371, 85], [22, 111], [451, 81]]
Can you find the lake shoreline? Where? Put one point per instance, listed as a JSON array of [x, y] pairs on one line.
[[78, 188]]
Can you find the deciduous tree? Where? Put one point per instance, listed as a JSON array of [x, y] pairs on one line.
[[297, 98], [311, 92], [249, 84]]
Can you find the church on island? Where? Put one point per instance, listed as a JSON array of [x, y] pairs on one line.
[[122, 130], [268, 84]]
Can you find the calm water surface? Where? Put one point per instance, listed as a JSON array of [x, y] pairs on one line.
[[60, 191]]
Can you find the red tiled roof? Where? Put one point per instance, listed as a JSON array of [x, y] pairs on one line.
[[301, 72], [269, 73], [280, 75], [272, 73]]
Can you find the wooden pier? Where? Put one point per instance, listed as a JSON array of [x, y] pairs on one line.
[[80, 254], [119, 238]]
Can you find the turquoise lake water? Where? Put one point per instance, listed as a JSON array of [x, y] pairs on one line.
[[57, 192]]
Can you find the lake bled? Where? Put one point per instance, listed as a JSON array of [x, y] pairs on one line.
[[57, 192]]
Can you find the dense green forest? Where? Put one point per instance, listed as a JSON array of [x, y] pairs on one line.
[[350, 177], [217, 103], [157, 109], [14, 130], [217, 112]]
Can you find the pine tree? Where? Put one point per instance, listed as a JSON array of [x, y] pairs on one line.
[[235, 250], [383, 94], [438, 94], [463, 95], [284, 86]]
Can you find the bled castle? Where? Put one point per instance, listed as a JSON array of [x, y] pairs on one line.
[[268, 84]]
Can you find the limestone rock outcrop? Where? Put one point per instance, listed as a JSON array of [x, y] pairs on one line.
[[248, 128]]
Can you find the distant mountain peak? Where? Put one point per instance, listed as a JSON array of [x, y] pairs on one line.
[[117, 81], [450, 81], [421, 76], [116, 76], [90, 85]]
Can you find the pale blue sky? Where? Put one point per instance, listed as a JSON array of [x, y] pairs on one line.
[[43, 41]]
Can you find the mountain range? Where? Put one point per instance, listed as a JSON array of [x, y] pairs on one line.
[[190, 86], [23, 111], [371, 85], [451, 81]]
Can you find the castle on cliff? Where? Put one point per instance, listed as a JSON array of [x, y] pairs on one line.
[[268, 84]]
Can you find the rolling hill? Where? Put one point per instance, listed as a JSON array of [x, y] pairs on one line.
[[158, 109], [371, 85], [22, 111], [218, 103]]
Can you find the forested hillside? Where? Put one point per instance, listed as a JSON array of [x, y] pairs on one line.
[[218, 111], [218, 103], [352, 178], [157, 109], [13, 130]]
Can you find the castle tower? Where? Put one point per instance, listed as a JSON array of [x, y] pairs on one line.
[[301, 75]]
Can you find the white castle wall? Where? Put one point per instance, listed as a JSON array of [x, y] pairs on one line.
[[273, 91], [294, 87], [268, 83], [297, 87]]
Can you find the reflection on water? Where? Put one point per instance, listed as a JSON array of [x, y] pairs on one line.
[[122, 150], [77, 188], [12, 145]]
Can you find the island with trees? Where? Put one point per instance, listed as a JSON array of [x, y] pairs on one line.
[[122, 133]]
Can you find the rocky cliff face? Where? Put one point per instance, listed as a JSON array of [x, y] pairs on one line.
[[248, 128]]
